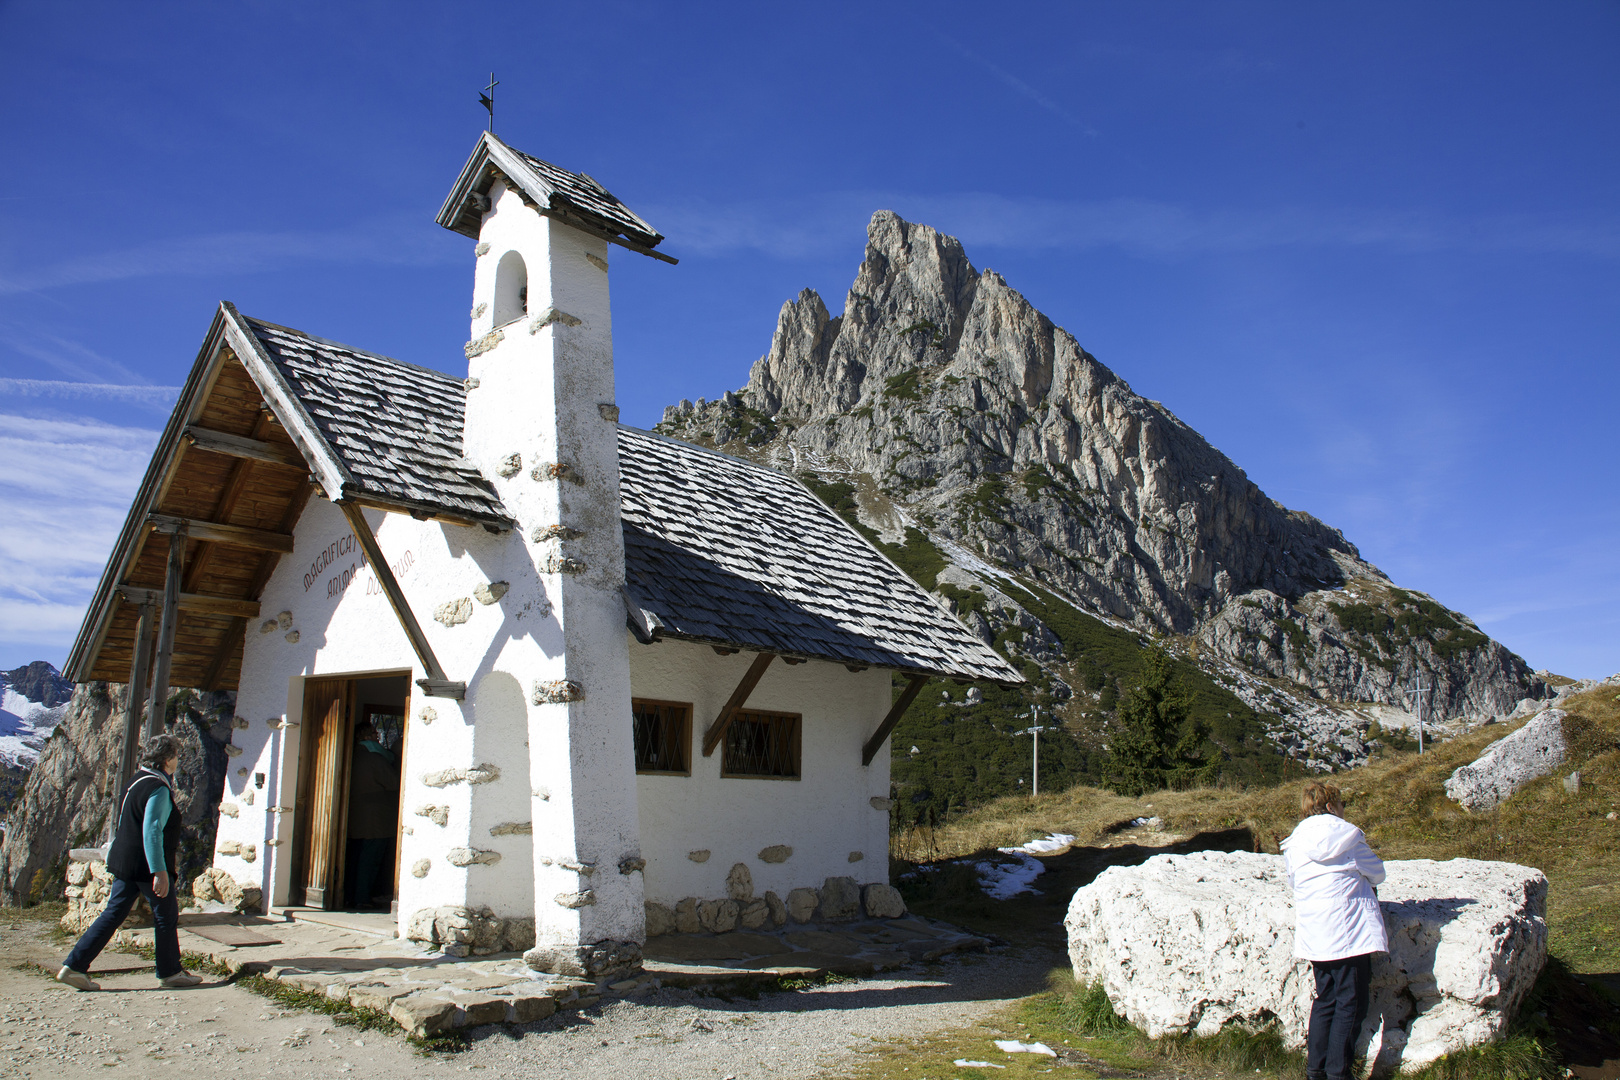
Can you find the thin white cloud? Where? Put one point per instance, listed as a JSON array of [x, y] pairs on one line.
[[66, 487], [383, 240], [1019, 86], [821, 226], [80, 391]]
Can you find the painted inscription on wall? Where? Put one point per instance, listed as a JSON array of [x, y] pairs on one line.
[[339, 563]]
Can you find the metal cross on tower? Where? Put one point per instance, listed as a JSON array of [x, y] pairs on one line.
[[486, 98], [1419, 696]]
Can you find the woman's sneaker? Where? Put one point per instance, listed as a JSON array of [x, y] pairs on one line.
[[177, 980], [76, 979]]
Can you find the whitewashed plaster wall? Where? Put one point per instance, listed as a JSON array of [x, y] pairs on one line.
[[542, 425], [823, 816], [342, 625]]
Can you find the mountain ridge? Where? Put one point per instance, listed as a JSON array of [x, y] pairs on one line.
[[966, 420]]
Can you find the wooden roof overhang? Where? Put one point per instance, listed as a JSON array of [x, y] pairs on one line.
[[232, 472]]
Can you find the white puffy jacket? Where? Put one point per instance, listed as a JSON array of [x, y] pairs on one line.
[[1333, 871]]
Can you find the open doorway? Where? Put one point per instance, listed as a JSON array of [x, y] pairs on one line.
[[347, 814]]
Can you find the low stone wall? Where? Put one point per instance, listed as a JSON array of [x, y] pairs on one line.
[[89, 885], [1190, 943], [470, 931], [840, 899]]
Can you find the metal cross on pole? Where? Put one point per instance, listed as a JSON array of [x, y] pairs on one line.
[[486, 98], [1419, 702]]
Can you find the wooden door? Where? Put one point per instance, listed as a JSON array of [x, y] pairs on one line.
[[399, 826], [319, 864]]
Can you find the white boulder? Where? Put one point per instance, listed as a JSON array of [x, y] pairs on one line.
[[1189, 943], [1508, 764]]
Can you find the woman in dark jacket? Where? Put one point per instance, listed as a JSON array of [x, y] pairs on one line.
[[142, 862]]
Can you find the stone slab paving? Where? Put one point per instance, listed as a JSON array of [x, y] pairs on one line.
[[427, 992]]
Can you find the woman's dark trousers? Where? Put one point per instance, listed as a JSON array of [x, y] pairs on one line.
[[1337, 1016], [165, 922]]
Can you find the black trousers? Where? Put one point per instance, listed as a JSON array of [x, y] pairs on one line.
[[165, 923], [1337, 1015]]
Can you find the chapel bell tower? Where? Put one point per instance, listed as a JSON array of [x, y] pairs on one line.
[[541, 426]]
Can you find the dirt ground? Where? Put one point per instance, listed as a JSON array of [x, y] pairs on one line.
[[51, 1032]]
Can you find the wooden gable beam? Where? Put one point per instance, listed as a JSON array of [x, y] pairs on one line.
[[901, 704], [239, 446], [437, 683], [220, 533], [734, 704], [199, 602]]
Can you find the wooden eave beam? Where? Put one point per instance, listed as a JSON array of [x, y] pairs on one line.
[[239, 446], [901, 704], [734, 704], [198, 602], [220, 533], [437, 683]]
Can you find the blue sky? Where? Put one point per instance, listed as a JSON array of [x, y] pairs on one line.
[[1371, 251]]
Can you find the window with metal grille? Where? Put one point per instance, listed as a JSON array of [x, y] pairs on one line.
[[663, 736], [762, 745]]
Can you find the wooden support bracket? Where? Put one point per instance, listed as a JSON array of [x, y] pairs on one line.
[[198, 602], [437, 683], [238, 446], [218, 533], [734, 704], [901, 704]]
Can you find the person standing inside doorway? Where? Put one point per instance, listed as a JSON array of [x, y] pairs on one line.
[[373, 812], [142, 862], [1338, 925]]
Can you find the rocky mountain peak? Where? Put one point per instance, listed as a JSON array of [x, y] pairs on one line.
[[962, 413]]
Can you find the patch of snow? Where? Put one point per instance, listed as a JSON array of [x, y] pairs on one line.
[[1013, 1046], [1053, 842], [964, 1063], [1003, 881], [24, 727]]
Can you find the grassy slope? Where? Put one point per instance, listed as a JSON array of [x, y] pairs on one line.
[[1398, 798]]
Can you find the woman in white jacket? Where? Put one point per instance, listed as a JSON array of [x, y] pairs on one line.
[[1338, 925]]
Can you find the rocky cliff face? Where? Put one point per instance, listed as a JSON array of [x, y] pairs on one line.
[[960, 411], [66, 800]]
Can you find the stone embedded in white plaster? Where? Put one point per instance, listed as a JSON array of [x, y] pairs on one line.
[[778, 910], [482, 248], [250, 852], [247, 796], [557, 692], [776, 853], [840, 899], [632, 864], [421, 867], [471, 382], [229, 809], [698, 856], [609, 412], [439, 815], [553, 470], [478, 311], [754, 915], [686, 916], [464, 856], [558, 563], [660, 919], [740, 883], [554, 532], [879, 803], [482, 345], [542, 793], [883, 901], [856, 856], [511, 465], [429, 714], [801, 904], [269, 626], [719, 916], [512, 828], [272, 843], [490, 593], [242, 771], [552, 315], [454, 612], [232, 750], [478, 774], [292, 637], [284, 620], [576, 900], [240, 723], [596, 261]]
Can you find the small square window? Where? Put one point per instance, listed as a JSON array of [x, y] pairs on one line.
[[663, 735], [762, 745]]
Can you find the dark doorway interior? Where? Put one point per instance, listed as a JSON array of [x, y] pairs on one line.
[[346, 853]]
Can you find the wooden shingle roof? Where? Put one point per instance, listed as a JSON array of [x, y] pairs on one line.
[[724, 551], [717, 550]]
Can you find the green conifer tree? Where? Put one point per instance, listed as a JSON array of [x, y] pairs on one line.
[[1156, 743]]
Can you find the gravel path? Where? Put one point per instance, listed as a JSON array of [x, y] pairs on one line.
[[50, 1032], [679, 1035]]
